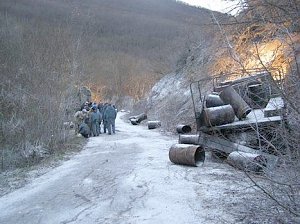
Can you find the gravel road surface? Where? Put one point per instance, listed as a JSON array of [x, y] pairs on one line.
[[127, 178]]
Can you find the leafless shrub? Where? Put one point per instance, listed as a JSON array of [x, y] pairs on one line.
[[37, 75]]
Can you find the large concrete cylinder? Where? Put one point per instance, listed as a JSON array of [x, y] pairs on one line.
[[247, 161], [218, 115], [154, 124], [189, 139], [183, 129], [219, 88], [240, 107], [213, 100], [185, 154], [141, 117], [259, 95], [135, 120]]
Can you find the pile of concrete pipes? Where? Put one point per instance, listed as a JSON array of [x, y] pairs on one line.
[[239, 156], [186, 154], [221, 108], [190, 151]]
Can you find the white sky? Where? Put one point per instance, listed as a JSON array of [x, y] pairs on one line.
[[216, 5]]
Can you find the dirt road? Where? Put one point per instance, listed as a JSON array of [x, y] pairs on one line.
[[127, 178]]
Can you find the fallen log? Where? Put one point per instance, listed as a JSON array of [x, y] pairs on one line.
[[185, 154], [183, 129], [247, 161], [153, 124]]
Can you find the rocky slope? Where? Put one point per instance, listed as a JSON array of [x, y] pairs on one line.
[[170, 99]]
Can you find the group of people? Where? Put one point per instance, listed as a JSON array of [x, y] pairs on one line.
[[89, 118]]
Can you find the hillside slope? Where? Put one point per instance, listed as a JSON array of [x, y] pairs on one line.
[[113, 43], [170, 99]]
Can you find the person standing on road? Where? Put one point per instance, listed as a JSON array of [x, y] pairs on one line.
[[110, 115], [104, 122], [95, 119], [99, 120], [100, 110]]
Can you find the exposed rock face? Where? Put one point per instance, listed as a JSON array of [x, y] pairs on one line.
[[170, 101]]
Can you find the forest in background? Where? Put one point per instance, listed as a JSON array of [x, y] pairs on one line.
[[114, 47]]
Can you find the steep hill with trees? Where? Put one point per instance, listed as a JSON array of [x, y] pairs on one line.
[[118, 47]]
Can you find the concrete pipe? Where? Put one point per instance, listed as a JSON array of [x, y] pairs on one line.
[[213, 100], [141, 117], [185, 154], [219, 88], [183, 129], [258, 93], [134, 121], [189, 139], [218, 115], [240, 107], [247, 161], [153, 124]]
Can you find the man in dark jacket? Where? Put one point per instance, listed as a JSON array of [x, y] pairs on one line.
[[101, 112], [95, 119], [104, 122], [110, 115]]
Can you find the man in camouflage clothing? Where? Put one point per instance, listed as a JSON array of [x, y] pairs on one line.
[[79, 118]]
